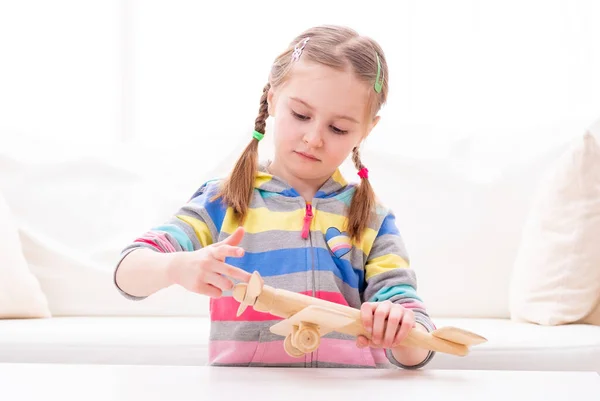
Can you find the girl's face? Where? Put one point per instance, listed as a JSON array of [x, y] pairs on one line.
[[321, 114]]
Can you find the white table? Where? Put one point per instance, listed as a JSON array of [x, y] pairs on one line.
[[116, 382]]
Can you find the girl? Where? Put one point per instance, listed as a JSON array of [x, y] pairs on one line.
[[296, 220]]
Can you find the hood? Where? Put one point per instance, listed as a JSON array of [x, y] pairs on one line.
[[335, 186]]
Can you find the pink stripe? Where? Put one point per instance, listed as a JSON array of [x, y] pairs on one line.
[[149, 242], [165, 242], [379, 356], [157, 240], [345, 352], [160, 239], [340, 246], [231, 352], [225, 308], [414, 305], [272, 353]]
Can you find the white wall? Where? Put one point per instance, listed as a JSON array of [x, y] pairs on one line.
[[187, 75], [60, 69]]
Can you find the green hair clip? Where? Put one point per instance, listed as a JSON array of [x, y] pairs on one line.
[[379, 78], [257, 135]]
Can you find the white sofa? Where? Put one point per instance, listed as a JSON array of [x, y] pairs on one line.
[[462, 231]]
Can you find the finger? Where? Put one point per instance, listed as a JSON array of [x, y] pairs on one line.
[[362, 341], [234, 239], [379, 319], [366, 316], [218, 281], [224, 251], [393, 322], [209, 290], [231, 271], [408, 322]]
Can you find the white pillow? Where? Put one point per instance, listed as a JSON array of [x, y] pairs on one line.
[[556, 277], [76, 213], [461, 217], [20, 292]]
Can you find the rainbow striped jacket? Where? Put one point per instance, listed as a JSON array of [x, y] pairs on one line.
[[300, 247]]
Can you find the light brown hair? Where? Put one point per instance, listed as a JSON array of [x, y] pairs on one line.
[[333, 46]]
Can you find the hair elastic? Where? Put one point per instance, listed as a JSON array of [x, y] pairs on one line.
[[363, 173], [257, 135]]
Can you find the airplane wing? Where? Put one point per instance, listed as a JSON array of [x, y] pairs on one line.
[[459, 336], [327, 319]]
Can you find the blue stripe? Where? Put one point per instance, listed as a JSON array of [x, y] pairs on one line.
[[216, 209], [290, 193], [287, 261], [177, 233], [266, 194], [346, 195], [404, 290], [388, 226]]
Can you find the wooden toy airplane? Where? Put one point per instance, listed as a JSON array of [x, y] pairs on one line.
[[307, 319]]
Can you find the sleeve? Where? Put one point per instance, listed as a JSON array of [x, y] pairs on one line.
[[388, 276], [192, 227]]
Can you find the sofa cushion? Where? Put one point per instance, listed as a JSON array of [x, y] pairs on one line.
[[556, 277], [74, 217], [107, 340], [20, 292], [183, 341], [525, 346], [461, 216]]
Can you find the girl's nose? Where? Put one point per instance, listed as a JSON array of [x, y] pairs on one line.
[[313, 138]]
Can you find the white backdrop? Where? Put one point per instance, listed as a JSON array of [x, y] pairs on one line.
[[186, 75], [482, 97]]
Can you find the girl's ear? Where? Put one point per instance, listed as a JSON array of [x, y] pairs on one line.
[[373, 124], [369, 129], [271, 102]]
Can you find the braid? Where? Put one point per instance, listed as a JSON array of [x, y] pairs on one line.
[[237, 190], [362, 203], [263, 112]]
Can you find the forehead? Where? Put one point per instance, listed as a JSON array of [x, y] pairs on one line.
[[328, 90]]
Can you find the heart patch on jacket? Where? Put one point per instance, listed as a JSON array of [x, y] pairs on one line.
[[338, 242]]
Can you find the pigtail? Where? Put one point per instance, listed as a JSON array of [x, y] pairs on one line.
[[237, 190], [360, 213]]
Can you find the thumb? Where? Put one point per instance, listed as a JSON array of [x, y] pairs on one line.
[[235, 238]]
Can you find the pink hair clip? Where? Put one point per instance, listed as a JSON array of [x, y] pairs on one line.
[[298, 50], [363, 173]]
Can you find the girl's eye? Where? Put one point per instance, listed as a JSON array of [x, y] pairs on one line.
[[299, 116], [304, 118], [337, 130]]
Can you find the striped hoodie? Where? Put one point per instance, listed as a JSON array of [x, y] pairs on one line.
[[301, 247]]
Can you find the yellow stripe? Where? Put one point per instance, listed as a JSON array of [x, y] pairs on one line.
[[342, 239], [261, 219], [325, 220], [337, 177], [384, 263], [200, 228], [261, 179]]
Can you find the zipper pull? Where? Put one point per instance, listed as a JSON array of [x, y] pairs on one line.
[[307, 219]]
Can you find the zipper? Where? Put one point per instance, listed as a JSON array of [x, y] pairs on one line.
[[307, 220], [306, 235], [308, 216]]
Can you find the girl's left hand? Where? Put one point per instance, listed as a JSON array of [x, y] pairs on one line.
[[388, 323]]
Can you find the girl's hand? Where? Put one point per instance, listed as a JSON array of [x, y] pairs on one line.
[[388, 323], [203, 271]]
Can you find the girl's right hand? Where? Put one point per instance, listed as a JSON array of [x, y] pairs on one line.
[[204, 271]]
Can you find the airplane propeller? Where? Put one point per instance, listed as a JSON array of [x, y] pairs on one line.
[[246, 294]]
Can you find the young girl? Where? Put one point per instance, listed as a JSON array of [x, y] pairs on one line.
[[296, 220]]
